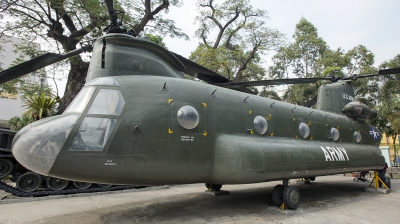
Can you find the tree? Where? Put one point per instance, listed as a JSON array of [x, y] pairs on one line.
[[241, 37], [63, 24]]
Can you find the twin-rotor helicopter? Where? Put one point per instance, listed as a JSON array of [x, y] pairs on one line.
[[137, 121]]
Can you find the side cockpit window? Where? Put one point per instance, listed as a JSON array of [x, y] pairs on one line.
[[93, 134]]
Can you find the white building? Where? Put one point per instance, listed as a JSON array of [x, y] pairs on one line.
[[10, 104]]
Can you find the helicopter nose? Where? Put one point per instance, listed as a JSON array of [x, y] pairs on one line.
[[36, 146]]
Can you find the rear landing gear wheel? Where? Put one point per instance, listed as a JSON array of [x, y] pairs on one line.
[[277, 195], [29, 182], [291, 197], [82, 185], [215, 187], [56, 184], [208, 186], [312, 178], [6, 167]]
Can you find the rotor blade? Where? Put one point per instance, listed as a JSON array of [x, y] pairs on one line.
[[312, 102], [35, 64], [200, 72], [272, 82], [389, 71], [205, 74], [111, 12], [6, 131]]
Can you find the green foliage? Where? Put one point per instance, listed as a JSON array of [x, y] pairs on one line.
[[40, 106], [17, 123], [156, 39]]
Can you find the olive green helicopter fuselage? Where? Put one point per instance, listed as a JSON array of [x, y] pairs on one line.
[[137, 121]]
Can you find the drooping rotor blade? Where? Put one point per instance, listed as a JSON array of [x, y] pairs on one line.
[[389, 71], [35, 64], [272, 82], [205, 74], [6, 131], [312, 102]]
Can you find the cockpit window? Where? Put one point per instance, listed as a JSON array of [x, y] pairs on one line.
[[80, 101], [107, 101], [104, 81], [93, 134]]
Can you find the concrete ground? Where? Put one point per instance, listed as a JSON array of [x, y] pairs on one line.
[[330, 199]]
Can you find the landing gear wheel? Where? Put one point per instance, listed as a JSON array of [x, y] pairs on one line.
[[208, 186], [291, 197], [29, 182], [105, 185], [388, 182], [56, 184], [277, 195], [81, 185], [6, 167], [312, 178], [215, 187]]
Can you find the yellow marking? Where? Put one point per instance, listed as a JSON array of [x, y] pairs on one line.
[[327, 125], [268, 117], [294, 119], [309, 123], [338, 128], [250, 112], [311, 138], [170, 131], [205, 133], [296, 136], [170, 100], [251, 131], [272, 134], [204, 104], [350, 129], [283, 206]]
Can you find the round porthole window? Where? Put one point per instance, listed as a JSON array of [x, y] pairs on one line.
[[304, 130], [334, 134], [188, 117], [357, 137], [260, 125]]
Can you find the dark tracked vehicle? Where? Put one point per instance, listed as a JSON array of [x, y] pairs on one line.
[[28, 183]]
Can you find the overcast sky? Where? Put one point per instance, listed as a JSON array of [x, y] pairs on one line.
[[341, 23]]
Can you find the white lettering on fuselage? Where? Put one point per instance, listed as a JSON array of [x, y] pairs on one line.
[[110, 163], [347, 97], [187, 138], [335, 154]]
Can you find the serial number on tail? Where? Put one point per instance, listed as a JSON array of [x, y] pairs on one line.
[[335, 154]]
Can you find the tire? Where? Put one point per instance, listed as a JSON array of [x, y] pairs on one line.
[[29, 182], [312, 178], [388, 182], [56, 184], [105, 185], [81, 185], [291, 197], [208, 186], [6, 167], [277, 195], [216, 187]]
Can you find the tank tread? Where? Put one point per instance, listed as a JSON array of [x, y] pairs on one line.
[[14, 191]]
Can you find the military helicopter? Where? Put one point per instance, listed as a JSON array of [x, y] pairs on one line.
[[137, 121]]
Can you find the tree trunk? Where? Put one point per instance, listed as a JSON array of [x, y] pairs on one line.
[[76, 79]]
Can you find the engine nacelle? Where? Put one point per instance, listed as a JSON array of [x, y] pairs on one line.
[[359, 111]]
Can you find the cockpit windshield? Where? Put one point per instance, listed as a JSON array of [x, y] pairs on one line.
[[81, 100]]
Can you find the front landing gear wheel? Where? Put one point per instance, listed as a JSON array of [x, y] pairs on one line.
[[82, 185], [56, 184], [6, 167], [277, 195], [291, 197], [216, 187], [29, 182]]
